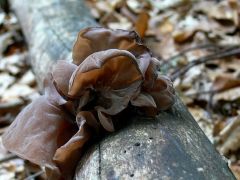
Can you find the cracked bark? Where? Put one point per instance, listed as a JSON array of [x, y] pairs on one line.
[[172, 146]]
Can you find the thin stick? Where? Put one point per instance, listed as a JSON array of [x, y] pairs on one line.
[[201, 93], [166, 63], [183, 52], [8, 158], [34, 175], [228, 52]]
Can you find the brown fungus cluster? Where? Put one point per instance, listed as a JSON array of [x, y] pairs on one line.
[[110, 70]]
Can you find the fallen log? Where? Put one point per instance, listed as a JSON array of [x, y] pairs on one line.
[[50, 28], [171, 146]]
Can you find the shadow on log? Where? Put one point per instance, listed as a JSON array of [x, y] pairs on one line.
[[172, 146]]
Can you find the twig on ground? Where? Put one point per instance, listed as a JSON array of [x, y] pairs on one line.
[[32, 177], [200, 93], [183, 52], [227, 52], [167, 62], [8, 158]]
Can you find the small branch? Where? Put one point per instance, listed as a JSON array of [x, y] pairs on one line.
[[201, 93], [167, 62], [202, 46], [227, 52], [8, 158], [32, 177]]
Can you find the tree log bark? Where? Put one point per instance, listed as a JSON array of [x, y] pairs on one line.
[[50, 28], [171, 146]]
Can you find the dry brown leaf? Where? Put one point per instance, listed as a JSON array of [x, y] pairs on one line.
[[141, 24], [166, 4], [229, 95], [127, 12], [229, 137], [225, 11], [28, 78], [165, 48], [223, 83], [218, 127], [5, 81], [166, 27], [17, 91], [236, 170]]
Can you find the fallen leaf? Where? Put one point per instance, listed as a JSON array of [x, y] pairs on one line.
[[235, 169], [229, 95], [225, 11], [16, 91], [28, 78], [166, 4], [141, 23], [229, 137], [5, 81], [223, 83]]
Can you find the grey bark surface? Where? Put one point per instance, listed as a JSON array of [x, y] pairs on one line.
[[50, 28], [171, 146]]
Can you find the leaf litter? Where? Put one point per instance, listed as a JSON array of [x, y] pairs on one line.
[[198, 45], [182, 33], [17, 88]]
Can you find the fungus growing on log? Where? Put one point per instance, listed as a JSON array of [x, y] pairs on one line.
[[111, 70]]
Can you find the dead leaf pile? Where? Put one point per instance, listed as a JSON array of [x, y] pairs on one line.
[[198, 44], [17, 88]]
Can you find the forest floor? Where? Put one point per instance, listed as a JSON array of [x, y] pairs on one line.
[[197, 43]]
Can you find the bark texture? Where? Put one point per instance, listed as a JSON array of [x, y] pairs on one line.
[[51, 28], [171, 146]]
